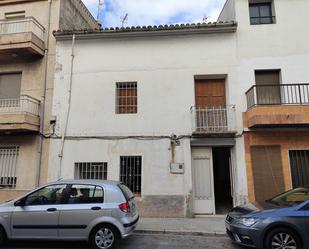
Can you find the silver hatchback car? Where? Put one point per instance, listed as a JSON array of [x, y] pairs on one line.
[[101, 212]]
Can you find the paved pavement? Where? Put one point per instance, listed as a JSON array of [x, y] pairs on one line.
[[141, 241], [211, 225]]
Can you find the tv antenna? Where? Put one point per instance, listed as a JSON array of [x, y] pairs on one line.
[[100, 4], [124, 19], [205, 18]]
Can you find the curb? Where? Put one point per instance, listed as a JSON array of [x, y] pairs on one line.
[[212, 234]]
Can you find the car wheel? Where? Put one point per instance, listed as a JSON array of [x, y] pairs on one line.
[[2, 236], [282, 238], [104, 237]]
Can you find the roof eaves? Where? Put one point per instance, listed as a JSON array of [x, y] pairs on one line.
[[141, 31]]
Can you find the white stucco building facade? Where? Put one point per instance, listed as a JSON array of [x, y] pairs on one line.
[[161, 108]]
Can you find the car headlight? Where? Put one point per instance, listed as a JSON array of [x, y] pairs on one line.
[[248, 222]]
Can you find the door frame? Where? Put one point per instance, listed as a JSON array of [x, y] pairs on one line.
[[211, 176], [233, 175]]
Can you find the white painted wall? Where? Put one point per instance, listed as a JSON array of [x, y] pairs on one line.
[[164, 68]]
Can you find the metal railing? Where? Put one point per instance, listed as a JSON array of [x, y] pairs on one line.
[[284, 94], [23, 104], [262, 20], [214, 119], [28, 24]]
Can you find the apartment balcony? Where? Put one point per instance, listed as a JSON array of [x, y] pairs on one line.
[[19, 114], [21, 39], [285, 105], [216, 121]]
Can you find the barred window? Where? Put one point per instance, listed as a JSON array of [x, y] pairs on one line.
[[8, 162], [126, 97], [91, 170], [131, 172]]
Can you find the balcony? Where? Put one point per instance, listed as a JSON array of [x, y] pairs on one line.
[[21, 39], [19, 114], [214, 121], [285, 105]]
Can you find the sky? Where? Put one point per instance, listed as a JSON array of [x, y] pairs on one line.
[[154, 12]]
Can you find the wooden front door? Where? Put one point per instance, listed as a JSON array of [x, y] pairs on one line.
[[211, 115]]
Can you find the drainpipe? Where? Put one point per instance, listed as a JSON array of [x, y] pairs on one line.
[[43, 99], [68, 110]]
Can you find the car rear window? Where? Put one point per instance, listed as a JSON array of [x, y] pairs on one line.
[[126, 192]]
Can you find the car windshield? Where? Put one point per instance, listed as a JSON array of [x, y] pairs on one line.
[[291, 198]]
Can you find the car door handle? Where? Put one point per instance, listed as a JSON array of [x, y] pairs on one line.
[[95, 208], [51, 209]]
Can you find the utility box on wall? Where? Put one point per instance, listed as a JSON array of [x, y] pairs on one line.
[[177, 168]]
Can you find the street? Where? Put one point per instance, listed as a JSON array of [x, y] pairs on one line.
[[140, 241]]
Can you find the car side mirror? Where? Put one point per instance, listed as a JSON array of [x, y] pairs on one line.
[[20, 203]]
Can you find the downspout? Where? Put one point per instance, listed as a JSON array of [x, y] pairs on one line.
[[68, 110], [43, 99]]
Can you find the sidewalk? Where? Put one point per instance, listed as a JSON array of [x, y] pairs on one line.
[[212, 225]]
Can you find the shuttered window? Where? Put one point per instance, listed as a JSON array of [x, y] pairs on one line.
[[8, 162], [267, 171], [299, 162], [91, 170], [10, 85], [126, 97]]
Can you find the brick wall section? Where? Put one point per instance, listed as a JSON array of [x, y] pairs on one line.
[[74, 15], [288, 140], [276, 115]]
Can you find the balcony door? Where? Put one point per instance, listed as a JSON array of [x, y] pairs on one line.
[[10, 85], [210, 101], [268, 87], [210, 93]]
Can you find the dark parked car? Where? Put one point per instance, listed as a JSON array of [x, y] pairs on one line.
[[279, 223]]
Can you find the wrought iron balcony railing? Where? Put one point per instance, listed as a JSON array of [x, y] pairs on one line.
[[283, 94], [214, 119]]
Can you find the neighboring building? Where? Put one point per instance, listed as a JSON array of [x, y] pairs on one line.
[[27, 62], [273, 89], [171, 111]]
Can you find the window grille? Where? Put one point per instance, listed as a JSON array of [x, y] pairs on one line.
[[8, 162], [131, 172], [91, 170], [126, 97]]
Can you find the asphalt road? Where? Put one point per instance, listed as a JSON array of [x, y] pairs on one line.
[[140, 241]]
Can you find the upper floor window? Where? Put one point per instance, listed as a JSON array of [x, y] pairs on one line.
[[261, 13], [126, 97]]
